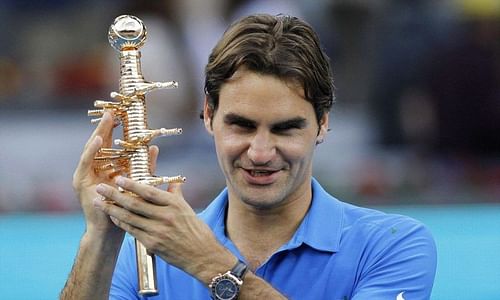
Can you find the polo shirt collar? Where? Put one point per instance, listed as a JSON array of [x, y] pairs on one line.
[[322, 225], [214, 216], [320, 229]]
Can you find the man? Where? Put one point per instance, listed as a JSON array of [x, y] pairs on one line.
[[268, 93]]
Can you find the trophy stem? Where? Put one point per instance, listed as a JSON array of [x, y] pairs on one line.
[[127, 34], [146, 270]]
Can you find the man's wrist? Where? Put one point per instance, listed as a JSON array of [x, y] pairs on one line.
[[214, 260], [103, 241]]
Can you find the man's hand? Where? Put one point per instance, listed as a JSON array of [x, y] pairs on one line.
[[165, 223], [86, 177]]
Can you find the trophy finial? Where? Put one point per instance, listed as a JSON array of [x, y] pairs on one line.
[[127, 32]]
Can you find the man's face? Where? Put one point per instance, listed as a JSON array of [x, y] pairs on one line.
[[265, 133]]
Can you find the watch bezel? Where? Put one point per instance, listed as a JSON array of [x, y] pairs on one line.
[[226, 276]]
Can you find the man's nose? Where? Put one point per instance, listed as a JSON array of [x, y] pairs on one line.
[[262, 148]]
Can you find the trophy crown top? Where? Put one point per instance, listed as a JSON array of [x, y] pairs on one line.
[[127, 32]]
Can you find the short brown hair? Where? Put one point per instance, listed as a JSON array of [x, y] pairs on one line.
[[283, 46]]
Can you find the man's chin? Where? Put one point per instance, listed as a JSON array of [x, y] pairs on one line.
[[259, 196], [262, 200]]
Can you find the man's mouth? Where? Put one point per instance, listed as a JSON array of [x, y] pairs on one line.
[[261, 177], [259, 173]]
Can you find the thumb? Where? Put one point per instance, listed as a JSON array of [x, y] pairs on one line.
[[153, 156], [175, 188]]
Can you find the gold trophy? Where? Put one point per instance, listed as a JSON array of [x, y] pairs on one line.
[[127, 34]]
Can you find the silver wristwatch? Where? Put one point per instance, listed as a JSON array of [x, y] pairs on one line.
[[227, 286]]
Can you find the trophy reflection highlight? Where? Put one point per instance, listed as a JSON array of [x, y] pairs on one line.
[[126, 35]]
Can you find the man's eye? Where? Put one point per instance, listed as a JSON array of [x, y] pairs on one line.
[[284, 129], [243, 125], [289, 126]]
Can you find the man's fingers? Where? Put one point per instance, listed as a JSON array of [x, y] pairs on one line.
[[96, 141], [87, 157], [175, 187], [99, 138], [103, 129], [120, 216], [127, 201], [144, 191], [153, 155]]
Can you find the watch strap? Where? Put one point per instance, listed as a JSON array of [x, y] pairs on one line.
[[239, 269]]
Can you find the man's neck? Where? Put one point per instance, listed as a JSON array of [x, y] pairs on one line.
[[260, 232]]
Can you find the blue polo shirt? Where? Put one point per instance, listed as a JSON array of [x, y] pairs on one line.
[[339, 252]]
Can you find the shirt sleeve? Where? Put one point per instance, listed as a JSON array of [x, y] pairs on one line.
[[401, 263], [124, 282]]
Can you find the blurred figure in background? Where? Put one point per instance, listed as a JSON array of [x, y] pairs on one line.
[[464, 83]]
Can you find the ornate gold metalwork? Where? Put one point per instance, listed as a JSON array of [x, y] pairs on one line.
[[127, 34]]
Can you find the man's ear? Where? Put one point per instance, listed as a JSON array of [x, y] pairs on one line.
[[208, 114], [323, 128]]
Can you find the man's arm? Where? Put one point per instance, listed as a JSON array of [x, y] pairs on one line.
[[255, 287], [93, 268]]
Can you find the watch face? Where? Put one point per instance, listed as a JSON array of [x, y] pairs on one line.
[[226, 289]]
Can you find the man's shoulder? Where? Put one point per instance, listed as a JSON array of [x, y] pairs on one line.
[[380, 231], [369, 217], [371, 220], [358, 218], [356, 226]]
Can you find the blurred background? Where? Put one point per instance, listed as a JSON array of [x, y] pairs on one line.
[[415, 128]]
